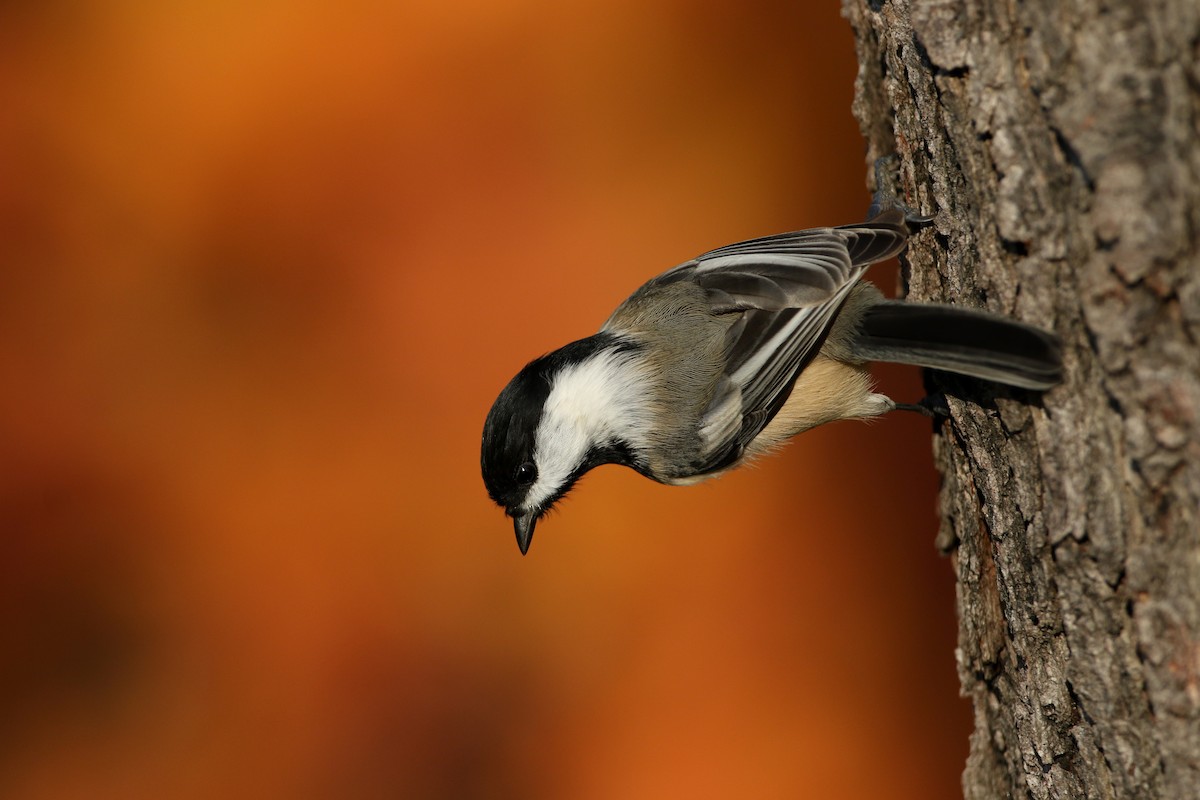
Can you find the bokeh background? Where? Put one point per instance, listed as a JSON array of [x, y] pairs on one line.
[[264, 267]]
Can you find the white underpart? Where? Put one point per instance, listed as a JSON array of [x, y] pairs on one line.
[[593, 403]]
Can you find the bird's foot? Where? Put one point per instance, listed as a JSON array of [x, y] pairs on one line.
[[933, 406], [885, 198]]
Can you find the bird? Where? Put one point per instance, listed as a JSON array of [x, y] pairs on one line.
[[726, 357]]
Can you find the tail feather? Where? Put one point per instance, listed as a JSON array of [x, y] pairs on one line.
[[961, 340]]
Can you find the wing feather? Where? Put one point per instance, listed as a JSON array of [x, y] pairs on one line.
[[786, 289]]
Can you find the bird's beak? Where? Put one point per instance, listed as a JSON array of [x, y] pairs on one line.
[[524, 523]]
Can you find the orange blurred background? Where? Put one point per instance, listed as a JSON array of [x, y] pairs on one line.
[[263, 269]]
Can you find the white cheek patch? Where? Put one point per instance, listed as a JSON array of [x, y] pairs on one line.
[[593, 403]]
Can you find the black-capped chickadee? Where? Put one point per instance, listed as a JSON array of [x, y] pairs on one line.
[[727, 356]]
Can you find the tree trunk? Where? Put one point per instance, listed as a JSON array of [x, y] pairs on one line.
[[1057, 143]]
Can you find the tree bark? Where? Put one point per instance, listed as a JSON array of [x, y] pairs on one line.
[[1058, 145]]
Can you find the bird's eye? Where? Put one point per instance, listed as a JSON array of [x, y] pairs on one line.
[[526, 473]]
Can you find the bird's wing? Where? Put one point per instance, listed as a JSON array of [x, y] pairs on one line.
[[787, 290]]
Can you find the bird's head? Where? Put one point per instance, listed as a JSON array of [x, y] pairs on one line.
[[562, 415]]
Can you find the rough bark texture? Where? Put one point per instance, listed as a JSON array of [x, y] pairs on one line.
[[1057, 144]]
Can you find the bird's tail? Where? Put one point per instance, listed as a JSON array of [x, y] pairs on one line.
[[960, 340]]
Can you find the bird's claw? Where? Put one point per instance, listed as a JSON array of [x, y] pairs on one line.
[[885, 198]]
